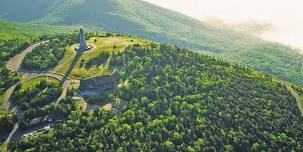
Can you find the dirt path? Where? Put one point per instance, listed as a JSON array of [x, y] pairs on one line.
[[296, 95]]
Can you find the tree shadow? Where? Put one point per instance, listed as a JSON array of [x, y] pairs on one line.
[[72, 65], [97, 61]]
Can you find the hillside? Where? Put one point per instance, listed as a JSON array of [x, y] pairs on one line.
[[13, 30], [152, 22], [169, 99]]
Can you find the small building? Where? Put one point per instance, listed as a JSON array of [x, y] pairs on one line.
[[39, 120]]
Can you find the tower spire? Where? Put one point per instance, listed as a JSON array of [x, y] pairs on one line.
[[82, 46]]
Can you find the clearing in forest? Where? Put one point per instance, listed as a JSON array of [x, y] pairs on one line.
[[33, 82], [96, 61]]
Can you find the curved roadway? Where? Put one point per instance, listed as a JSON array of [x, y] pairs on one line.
[[14, 64]]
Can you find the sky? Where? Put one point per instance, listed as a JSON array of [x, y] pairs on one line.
[[285, 16]]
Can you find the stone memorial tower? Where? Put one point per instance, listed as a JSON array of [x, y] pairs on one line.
[[83, 46]]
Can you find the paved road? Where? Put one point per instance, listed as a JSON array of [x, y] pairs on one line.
[[7, 96], [15, 62], [18, 133], [16, 126]]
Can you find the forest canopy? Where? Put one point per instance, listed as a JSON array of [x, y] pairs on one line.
[[179, 100]]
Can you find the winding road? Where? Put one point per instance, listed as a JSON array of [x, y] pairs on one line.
[[14, 64]]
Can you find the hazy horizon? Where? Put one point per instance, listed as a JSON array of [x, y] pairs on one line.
[[283, 16]]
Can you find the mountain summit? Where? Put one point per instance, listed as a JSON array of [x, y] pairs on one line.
[[136, 17]]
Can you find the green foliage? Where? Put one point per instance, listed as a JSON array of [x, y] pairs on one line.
[[33, 101], [98, 60], [8, 50], [47, 55], [150, 21], [184, 101], [6, 124], [12, 30], [38, 96], [61, 109]]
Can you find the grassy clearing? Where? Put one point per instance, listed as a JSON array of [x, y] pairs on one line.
[[35, 81], [3, 147], [67, 59], [3, 111], [101, 44], [12, 30], [1, 99]]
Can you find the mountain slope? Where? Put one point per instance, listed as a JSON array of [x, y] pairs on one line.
[[178, 100], [12, 30], [153, 22]]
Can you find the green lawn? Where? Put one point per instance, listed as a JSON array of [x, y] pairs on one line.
[[67, 59], [35, 81], [100, 44], [80, 104], [3, 111]]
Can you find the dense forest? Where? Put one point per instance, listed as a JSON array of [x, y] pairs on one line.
[[179, 100], [36, 96], [31, 102], [137, 17], [7, 50], [48, 54]]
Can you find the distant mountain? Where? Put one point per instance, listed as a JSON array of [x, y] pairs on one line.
[[147, 20], [12, 30]]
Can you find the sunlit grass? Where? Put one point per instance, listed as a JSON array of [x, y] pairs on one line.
[[1, 99], [35, 81], [3, 147], [80, 104], [67, 59], [3, 111], [101, 44]]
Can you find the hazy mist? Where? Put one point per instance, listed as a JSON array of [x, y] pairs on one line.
[[274, 20]]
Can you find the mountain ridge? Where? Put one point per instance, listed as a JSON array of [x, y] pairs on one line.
[[140, 18]]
